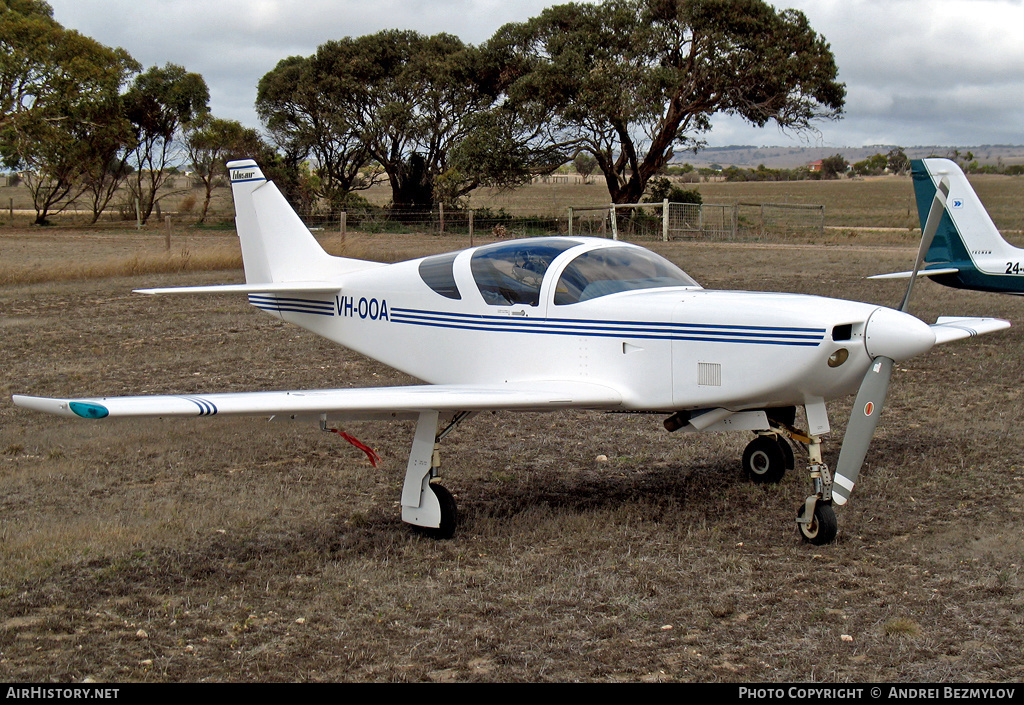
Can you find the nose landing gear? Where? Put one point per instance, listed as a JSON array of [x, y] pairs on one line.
[[766, 460]]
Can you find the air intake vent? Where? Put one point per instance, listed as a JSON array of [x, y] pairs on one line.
[[843, 332], [709, 374]]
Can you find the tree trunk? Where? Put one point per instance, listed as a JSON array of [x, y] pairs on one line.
[[412, 186]]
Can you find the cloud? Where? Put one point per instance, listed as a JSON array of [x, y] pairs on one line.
[[946, 72], [940, 72]]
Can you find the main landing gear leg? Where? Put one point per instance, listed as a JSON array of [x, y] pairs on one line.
[[816, 519], [428, 505]]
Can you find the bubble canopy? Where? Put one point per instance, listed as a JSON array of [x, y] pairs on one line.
[[514, 272], [610, 270]]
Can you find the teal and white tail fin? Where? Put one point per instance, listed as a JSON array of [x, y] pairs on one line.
[[967, 228], [277, 247], [967, 251]]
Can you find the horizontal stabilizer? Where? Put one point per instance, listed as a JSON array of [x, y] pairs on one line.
[[538, 396], [948, 328], [920, 273]]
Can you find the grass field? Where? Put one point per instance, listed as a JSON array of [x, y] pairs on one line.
[[876, 202], [593, 547]]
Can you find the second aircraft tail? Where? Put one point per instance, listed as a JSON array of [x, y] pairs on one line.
[[966, 227]]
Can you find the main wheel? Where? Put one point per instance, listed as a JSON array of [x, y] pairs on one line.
[[764, 461], [449, 514], [823, 526], [787, 452]]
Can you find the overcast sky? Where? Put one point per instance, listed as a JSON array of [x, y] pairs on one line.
[[918, 72]]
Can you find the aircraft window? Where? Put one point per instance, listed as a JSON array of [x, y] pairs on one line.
[[438, 272], [511, 273], [614, 269]]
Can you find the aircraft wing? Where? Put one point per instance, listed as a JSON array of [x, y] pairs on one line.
[[368, 402], [920, 273], [274, 288], [948, 328]]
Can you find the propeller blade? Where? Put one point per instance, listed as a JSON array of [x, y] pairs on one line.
[[875, 386], [931, 226], [867, 408]]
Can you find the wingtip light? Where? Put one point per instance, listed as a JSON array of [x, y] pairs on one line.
[[88, 410]]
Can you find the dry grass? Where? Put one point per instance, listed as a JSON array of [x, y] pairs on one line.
[[237, 550], [902, 626], [180, 261], [32, 256]]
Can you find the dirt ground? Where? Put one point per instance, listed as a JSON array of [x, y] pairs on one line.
[[593, 547]]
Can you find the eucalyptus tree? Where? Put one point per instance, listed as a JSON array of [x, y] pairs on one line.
[[632, 81], [304, 103], [158, 103], [419, 110], [210, 142], [30, 69], [419, 100], [60, 107]]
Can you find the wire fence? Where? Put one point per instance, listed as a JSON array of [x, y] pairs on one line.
[[647, 221], [708, 221], [641, 222], [482, 223]]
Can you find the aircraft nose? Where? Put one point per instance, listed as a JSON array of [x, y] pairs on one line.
[[897, 335]]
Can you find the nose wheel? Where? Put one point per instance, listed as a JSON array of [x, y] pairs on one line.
[[816, 521], [766, 460]]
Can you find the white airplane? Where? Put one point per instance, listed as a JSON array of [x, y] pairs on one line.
[[964, 250], [554, 323]]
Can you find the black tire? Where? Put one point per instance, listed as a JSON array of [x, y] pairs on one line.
[[764, 461], [449, 514], [823, 527], [787, 453]]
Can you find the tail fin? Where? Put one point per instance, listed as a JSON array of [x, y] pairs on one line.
[[277, 247], [966, 227]]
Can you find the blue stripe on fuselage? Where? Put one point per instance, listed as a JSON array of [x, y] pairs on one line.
[[283, 304], [711, 332], [767, 335]]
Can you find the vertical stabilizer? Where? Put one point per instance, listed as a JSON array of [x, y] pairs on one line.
[[277, 247], [966, 228], [246, 177]]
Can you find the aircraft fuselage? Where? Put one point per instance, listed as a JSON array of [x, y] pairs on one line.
[[670, 348]]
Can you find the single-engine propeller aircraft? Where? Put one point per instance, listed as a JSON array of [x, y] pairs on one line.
[[554, 323], [965, 250]]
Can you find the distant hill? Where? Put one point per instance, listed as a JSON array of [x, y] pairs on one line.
[[792, 157]]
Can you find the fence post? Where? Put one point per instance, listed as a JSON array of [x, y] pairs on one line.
[[664, 220], [615, 225], [440, 208], [168, 221], [570, 221], [470, 227], [344, 225]]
